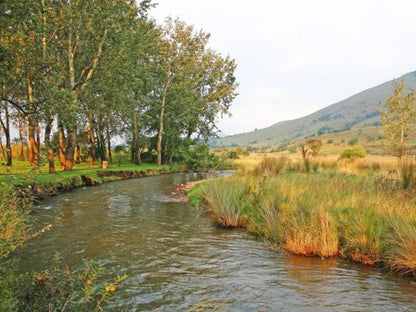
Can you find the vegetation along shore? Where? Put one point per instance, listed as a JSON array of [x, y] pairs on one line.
[[357, 210]]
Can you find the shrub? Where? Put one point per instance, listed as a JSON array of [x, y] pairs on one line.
[[353, 152], [14, 228], [232, 155], [59, 289], [353, 141], [199, 157]]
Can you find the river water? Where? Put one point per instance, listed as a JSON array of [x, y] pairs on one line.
[[176, 259]]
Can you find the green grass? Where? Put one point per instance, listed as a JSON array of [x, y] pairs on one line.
[[22, 171]]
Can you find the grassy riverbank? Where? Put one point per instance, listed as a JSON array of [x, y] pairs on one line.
[[41, 184], [364, 215]]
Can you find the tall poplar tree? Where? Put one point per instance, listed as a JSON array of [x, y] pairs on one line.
[[196, 84]]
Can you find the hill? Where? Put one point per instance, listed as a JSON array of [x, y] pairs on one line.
[[359, 111]]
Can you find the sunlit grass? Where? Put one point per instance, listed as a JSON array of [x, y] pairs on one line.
[[358, 210]]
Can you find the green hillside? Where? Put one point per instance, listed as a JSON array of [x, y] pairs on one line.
[[359, 111]]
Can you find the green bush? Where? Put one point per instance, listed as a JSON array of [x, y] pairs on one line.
[[353, 152], [14, 228], [353, 141], [199, 157]]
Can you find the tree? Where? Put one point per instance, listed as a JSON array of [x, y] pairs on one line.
[[196, 84], [314, 146], [311, 147], [97, 69], [396, 118]]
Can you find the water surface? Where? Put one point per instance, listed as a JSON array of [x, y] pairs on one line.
[[175, 258]]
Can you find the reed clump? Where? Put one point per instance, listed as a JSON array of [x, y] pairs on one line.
[[271, 166], [223, 200]]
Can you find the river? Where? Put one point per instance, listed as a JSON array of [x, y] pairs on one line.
[[176, 258]]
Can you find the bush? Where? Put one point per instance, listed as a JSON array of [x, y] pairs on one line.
[[353, 152], [232, 155], [353, 141], [58, 289], [14, 228], [199, 157]]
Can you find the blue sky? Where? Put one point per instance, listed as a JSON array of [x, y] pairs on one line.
[[295, 57]]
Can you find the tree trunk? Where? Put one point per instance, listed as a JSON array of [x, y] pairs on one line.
[[3, 152], [37, 138], [61, 138], [9, 160], [22, 145], [32, 130], [77, 154], [135, 148], [161, 120], [101, 138], [29, 147], [6, 129], [33, 145], [110, 156], [91, 140], [48, 130], [71, 143]]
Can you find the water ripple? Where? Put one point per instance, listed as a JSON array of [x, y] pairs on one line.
[[175, 258]]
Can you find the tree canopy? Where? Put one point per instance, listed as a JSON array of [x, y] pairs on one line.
[[93, 71]]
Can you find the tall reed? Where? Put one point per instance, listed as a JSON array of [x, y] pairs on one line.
[[223, 201], [272, 166], [407, 171]]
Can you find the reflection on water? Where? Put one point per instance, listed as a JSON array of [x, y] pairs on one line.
[[175, 257]]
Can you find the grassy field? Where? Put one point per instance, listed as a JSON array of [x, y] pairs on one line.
[[360, 210]]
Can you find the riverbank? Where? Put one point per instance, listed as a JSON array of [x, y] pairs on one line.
[[40, 185], [364, 218]]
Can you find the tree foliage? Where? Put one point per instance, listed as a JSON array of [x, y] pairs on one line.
[[396, 118], [98, 70]]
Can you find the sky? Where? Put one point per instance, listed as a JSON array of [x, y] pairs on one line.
[[295, 57]]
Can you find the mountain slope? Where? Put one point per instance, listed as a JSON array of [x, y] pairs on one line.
[[358, 111]]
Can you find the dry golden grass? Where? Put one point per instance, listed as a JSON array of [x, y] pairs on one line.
[[381, 164]]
